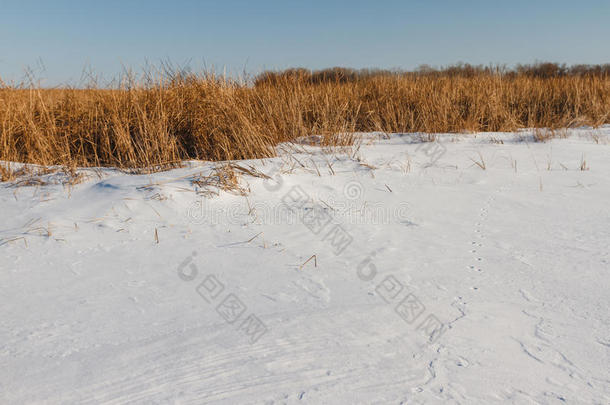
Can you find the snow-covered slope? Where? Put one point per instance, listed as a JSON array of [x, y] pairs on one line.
[[471, 270]]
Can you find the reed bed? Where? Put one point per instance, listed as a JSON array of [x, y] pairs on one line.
[[155, 123]]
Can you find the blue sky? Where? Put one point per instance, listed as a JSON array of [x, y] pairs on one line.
[[58, 38]]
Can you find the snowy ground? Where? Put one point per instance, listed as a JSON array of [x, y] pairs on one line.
[[434, 280]]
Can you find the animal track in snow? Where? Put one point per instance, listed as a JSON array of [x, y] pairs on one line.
[[479, 233]]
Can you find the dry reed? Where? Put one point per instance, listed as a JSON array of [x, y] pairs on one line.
[[159, 122]]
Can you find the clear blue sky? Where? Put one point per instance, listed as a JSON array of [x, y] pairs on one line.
[[257, 34]]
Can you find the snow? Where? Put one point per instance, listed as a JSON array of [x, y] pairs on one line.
[[396, 272]]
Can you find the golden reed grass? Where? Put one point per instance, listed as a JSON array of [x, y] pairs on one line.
[[205, 116]]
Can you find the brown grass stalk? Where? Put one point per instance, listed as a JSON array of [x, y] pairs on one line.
[[157, 124]]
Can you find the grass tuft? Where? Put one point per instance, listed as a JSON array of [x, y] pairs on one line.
[[157, 122]]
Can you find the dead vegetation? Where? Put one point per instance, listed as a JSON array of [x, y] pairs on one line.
[[157, 122], [34, 175], [583, 164], [226, 177], [480, 163], [546, 134]]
